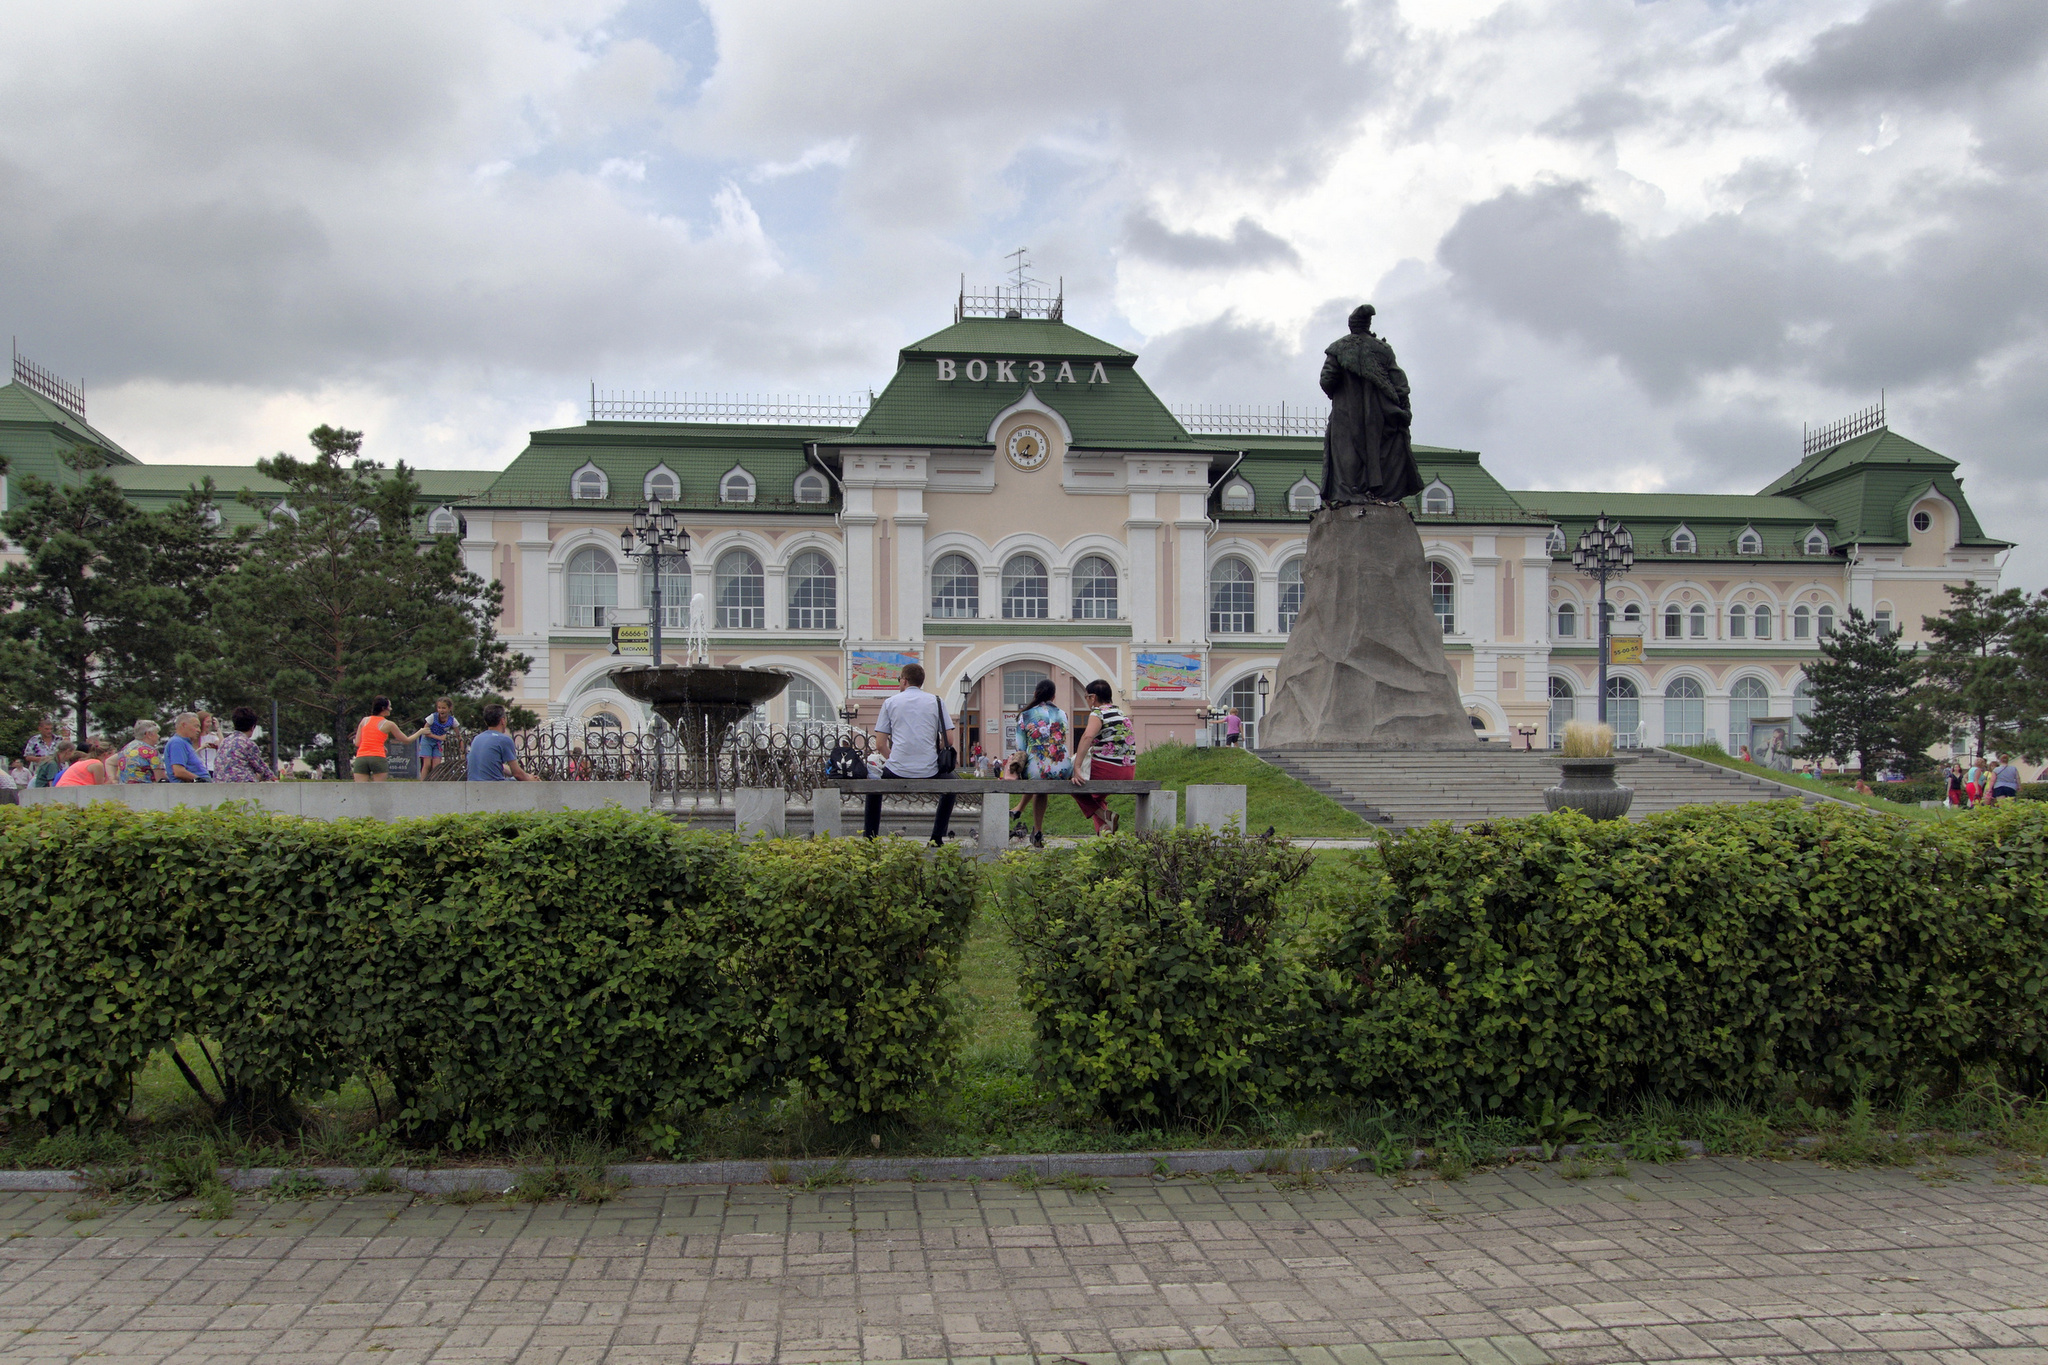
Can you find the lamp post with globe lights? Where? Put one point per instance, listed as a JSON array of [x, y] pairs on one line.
[[1605, 550], [655, 536]]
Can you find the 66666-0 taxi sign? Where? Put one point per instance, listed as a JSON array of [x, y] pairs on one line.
[[632, 639]]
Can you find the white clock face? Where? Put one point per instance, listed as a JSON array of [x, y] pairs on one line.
[[1028, 448]]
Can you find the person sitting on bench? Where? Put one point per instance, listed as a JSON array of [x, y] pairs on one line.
[[908, 733]]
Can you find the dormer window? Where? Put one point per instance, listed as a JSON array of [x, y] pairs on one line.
[[1238, 496], [589, 483], [661, 484], [1684, 542], [1555, 543], [1437, 499], [811, 488], [1816, 542], [210, 518], [442, 521], [1749, 542], [736, 486], [284, 509], [1304, 496]]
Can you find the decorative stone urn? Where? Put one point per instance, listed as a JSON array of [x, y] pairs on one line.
[[1589, 786]]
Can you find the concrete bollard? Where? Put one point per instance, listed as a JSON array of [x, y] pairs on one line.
[[825, 815], [1216, 805], [758, 812], [995, 826], [1158, 810]]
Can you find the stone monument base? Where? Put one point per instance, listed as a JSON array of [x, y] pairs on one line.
[[1364, 667]]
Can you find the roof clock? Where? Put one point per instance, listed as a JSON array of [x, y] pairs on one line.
[[1028, 448]]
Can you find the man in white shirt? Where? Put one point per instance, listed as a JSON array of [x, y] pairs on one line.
[[908, 733]]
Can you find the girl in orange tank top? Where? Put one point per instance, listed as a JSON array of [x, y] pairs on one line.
[[371, 762]]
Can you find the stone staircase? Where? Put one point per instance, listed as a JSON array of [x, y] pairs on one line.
[[1399, 789]]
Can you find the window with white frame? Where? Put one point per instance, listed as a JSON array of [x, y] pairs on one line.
[[593, 587], [661, 484], [589, 483], [1883, 617], [956, 588], [1094, 589], [1563, 707], [736, 486], [1674, 622], [1567, 621], [1238, 496], [813, 592], [1027, 592], [1738, 622], [1437, 499], [1018, 685], [675, 591], [1625, 712], [812, 488], [741, 590], [1816, 541], [1749, 543], [1826, 618], [1684, 542], [1802, 709], [1748, 701], [1232, 599], [210, 518], [442, 521], [1685, 712], [808, 704], [284, 510], [1554, 542], [1290, 594], [1304, 497], [1802, 622], [1443, 595], [1760, 623], [1632, 614], [1696, 621]]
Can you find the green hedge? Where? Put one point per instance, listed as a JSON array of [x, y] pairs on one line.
[[494, 973]]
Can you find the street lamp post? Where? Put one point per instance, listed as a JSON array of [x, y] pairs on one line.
[[658, 537], [1605, 550], [1265, 689]]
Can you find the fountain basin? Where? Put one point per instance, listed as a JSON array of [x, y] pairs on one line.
[[700, 698]]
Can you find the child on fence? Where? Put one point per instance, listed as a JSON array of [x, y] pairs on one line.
[[1107, 753]]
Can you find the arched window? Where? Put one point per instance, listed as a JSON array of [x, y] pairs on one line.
[[736, 486], [1827, 621], [808, 704], [1633, 613], [210, 518], [1243, 697], [661, 484], [1749, 543], [1094, 589], [284, 511], [1882, 619], [1437, 499], [1027, 595], [675, 592], [1802, 709], [813, 592], [442, 521], [1304, 497], [742, 591], [1443, 596], [1697, 619], [1748, 701], [1802, 623], [1685, 712], [1290, 594], [1562, 707], [593, 587], [1625, 712], [1567, 621], [1923, 521], [1738, 622], [811, 487], [589, 482], [1674, 622], [1683, 542], [1238, 496], [1761, 623], [1554, 542], [1231, 600], [1816, 541], [1018, 685], [956, 588]]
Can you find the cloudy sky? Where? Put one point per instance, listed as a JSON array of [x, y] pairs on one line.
[[1620, 245]]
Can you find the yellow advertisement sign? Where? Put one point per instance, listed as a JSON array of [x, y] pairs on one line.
[[1624, 649], [632, 639]]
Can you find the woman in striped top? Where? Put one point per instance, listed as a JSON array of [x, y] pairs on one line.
[[1110, 753]]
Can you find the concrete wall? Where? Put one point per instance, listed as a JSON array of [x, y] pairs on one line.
[[376, 800]]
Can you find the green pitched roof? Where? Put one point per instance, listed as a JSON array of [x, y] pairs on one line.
[[23, 407], [1716, 520], [1272, 465], [1868, 486], [698, 453], [1015, 336]]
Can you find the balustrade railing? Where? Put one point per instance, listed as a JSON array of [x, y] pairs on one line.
[[791, 757]]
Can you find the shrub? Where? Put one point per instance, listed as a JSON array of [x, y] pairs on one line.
[[500, 973], [1151, 971], [1716, 950]]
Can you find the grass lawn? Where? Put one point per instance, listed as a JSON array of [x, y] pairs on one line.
[[1711, 753], [1271, 796]]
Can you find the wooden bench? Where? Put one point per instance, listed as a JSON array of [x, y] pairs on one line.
[[1158, 808]]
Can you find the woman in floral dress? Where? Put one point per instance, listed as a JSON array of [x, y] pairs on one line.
[[1042, 739]]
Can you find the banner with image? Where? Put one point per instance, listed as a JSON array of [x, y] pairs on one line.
[[1169, 674], [879, 669]]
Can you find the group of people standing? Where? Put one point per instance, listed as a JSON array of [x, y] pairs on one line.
[[1982, 783], [197, 751], [914, 728]]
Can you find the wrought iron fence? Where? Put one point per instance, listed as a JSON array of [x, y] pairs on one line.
[[791, 757], [1287, 419]]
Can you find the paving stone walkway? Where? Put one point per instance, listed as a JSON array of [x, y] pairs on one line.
[[1699, 1260]]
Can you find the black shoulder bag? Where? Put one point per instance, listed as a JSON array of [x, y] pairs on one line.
[[949, 757]]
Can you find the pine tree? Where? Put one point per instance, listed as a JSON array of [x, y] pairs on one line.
[[2028, 645], [1972, 673], [1864, 702], [341, 599]]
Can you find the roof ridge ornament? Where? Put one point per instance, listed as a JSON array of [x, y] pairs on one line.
[[831, 410], [36, 379], [1861, 423], [1024, 297]]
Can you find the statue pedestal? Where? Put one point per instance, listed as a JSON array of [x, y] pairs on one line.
[[1364, 666]]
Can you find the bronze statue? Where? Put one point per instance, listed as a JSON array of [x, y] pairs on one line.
[[1367, 457]]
